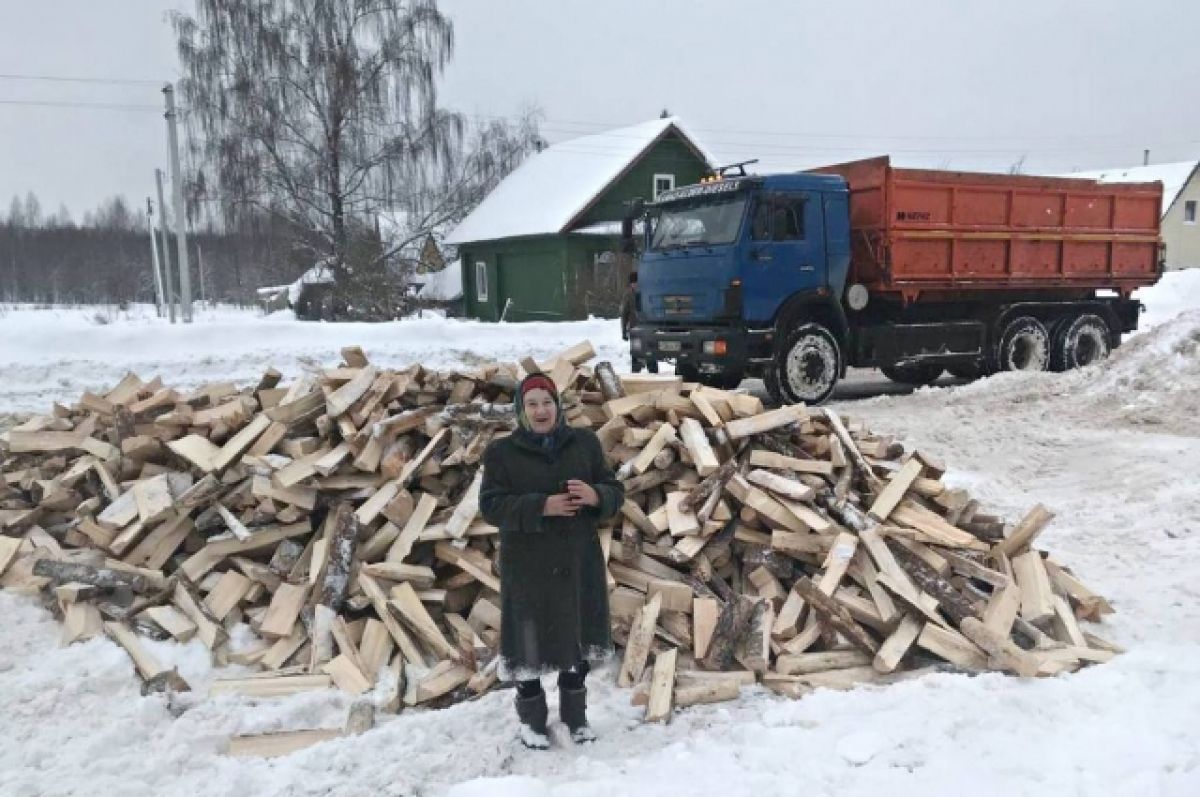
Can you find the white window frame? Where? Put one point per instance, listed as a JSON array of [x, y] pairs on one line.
[[481, 286], [1193, 204], [654, 185]]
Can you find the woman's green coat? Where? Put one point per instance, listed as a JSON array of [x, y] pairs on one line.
[[554, 593]]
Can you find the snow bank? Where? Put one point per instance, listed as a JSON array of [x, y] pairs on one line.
[[54, 355], [1151, 381], [1175, 293]]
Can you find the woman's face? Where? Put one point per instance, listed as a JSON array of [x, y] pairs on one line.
[[541, 410]]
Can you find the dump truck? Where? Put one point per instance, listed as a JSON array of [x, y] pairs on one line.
[[797, 277]]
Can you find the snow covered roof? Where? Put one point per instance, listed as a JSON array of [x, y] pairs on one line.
[[1174, 176], [552, 188], [320, 274], [445, 285]]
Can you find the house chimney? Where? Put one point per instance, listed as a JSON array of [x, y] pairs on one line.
[[1145, 157]]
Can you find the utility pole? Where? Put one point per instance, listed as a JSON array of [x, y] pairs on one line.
[[172, 295], [185, 277], [158, 283], [200, 269]]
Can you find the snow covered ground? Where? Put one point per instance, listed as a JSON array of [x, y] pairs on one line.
[[1114, 450], [54, 355]]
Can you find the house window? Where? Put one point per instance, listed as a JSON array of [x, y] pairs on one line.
[[481, 288], [663, 182], [1189, 212]]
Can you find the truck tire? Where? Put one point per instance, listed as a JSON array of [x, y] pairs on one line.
[[919, 374], [806, 367], [1080, 341], [1024, 346]]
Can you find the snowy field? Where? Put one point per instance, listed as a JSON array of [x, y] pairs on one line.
[[1114, 450]]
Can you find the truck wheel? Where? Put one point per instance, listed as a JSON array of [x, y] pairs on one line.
[[1024, 346], [1081, 341], [919, 374], [807, 366], [690, 373]]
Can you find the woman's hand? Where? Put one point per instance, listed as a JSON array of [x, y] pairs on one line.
[[583, 493], [561, 505]]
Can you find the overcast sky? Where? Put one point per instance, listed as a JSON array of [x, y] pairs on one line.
[[951, 83]]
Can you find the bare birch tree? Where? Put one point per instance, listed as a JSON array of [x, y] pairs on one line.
[[318, 110]]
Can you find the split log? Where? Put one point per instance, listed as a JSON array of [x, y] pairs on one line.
[[336, 583], [713, 483], [157, 677], [1024, 533], [637, 649], [662, 687], [610, 384], [104, 578], [953, 603], [836, 616], [732, 625]]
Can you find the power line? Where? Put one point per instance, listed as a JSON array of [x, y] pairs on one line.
[[72, 79], [776, 150], [576, 126], [580, 128], [109, 106], [568, 125]]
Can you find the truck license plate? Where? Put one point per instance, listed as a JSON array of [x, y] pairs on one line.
[[668, 345]]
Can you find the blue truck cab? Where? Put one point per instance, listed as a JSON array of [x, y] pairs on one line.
[[731, 264]]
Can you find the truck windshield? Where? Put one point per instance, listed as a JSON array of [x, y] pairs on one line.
[[714, 222]]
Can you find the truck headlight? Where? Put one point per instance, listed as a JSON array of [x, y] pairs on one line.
[[716, 348]]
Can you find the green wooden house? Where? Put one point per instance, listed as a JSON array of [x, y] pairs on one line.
[[544, 245]]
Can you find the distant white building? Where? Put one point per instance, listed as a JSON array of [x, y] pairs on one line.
[[441, 289], [1180, 204], [443, 285]]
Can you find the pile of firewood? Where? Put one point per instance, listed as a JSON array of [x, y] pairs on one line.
[[338, 517]]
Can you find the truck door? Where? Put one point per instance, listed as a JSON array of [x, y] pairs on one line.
[[786, 251]]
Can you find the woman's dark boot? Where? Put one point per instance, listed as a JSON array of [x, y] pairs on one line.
[[572, 710], [533, 714]]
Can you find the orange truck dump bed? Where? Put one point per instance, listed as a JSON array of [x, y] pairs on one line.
[[921, 233]]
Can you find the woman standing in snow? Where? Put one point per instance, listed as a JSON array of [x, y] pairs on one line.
[[547, 487]]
